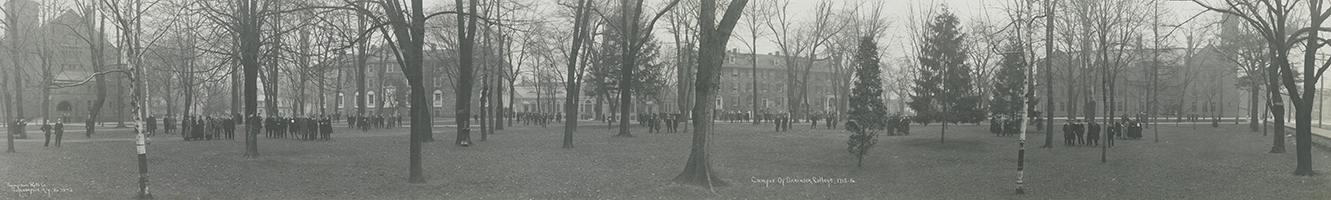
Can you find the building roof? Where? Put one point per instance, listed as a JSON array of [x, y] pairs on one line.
[[770, 61]]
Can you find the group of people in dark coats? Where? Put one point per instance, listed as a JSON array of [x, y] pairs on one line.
[[365, 123], [303, 128], [206, 128], [782, 122], [654, 121], [58, 129], [1078, 132], [897, 125], [530, 118], [1004, 125]]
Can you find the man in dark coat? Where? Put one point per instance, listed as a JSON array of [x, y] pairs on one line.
[[90, 128], [168, 124], [152, 125], [1115, 129], [312, 128], [1093, 134], [230, 125], [327, 129], [196, 129], [1068, 138], [351, 121], [59, 132], [184, 127], [1079, 129], [46, 130]]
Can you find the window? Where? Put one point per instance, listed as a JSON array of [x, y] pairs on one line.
[[371, 98], [438, 96]]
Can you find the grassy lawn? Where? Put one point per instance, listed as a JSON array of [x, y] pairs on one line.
[[526, 162]]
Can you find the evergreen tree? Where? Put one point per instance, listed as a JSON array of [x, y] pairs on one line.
[[866, 104], [1007, 90], [943, 91]]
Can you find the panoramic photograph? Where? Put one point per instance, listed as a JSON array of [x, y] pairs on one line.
[[665, 99]]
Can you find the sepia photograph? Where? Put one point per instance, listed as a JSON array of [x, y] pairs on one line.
[[665, 99]]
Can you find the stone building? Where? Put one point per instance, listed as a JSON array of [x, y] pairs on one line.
[[51, 50]]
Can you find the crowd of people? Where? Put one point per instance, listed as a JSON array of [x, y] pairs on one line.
[[1004, 125], [533, 118], [303, 128], [218, 127], [365, 123], [199, 127], [655, 121], [1087, 132]]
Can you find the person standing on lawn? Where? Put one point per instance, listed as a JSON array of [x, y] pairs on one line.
[[46, 130], [152, 125], [88, 133], [1068, 138], [167, 124], [59, 132]]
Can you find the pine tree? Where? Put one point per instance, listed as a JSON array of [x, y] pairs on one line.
[[866, 105], [1007, 92], [943, 91]]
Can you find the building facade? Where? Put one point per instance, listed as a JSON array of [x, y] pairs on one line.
[[51, 52], [738, 92]]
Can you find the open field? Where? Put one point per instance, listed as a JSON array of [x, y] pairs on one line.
[[526, 162]]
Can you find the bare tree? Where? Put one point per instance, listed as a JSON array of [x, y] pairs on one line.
[[635, 35], [1270, 18], [713, 37], [1243, 48], [580, 32]]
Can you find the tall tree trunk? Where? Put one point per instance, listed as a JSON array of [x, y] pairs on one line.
[[1303, 115], [466, 40], [942, 133], [250, 24], [753, 75], [97, 51], [1277, 104], [362, 56], [597, 108], [1049, 76], [1253, 97], [410, 37], [272, 80], [120, 105], [628, 61], [46, 90], [498, 101], [698, 170], [510, 113], [237, 82], [571, 97], [484, 102]]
